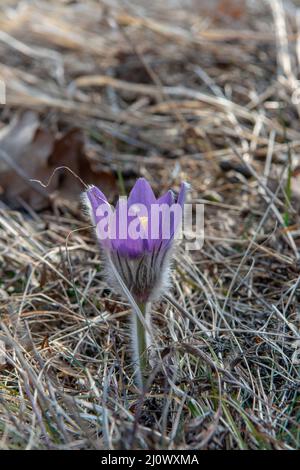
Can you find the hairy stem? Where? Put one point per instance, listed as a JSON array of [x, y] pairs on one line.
[[140, 339]]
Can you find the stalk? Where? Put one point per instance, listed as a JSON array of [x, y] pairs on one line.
[[141, 343]]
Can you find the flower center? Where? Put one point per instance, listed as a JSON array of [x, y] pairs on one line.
[[144, 222]]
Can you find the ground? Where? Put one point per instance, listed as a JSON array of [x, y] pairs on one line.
[[204, 92]]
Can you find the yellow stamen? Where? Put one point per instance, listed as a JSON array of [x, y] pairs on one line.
[[144, 222]]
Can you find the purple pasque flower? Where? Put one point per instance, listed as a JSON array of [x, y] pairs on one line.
[[137, 237]]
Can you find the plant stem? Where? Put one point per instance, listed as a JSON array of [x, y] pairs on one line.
[[140, 345]]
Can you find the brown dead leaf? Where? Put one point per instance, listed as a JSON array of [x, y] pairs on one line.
[[218, 10], [234, 9], [29, 152], [24, 150]]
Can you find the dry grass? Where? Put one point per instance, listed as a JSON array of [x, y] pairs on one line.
[[205, 94]]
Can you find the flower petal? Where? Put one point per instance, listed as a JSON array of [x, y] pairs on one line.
[[99, 209], [182, 193], [95, 198], [123, 243], [141, 193], [176, 217], [167, 198]]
